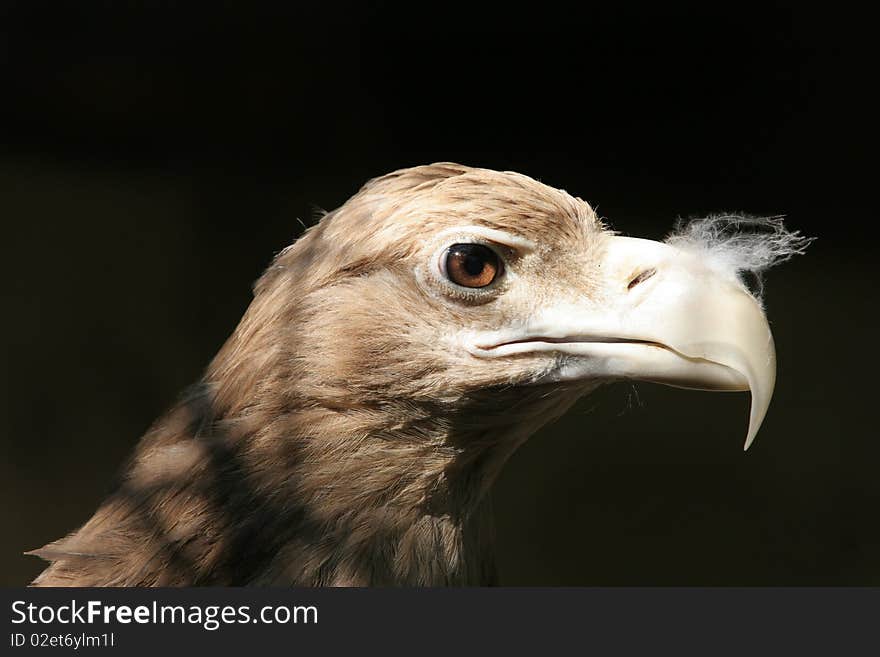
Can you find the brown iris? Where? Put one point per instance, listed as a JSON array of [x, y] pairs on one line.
[[472, 265]]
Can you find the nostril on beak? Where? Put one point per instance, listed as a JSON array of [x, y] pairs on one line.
[[641, 277]]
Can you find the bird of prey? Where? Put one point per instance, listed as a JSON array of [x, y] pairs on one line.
[[392, 359]]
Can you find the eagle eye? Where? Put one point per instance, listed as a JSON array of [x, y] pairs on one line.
[[471, 265]]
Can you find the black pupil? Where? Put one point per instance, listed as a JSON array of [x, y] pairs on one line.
[[472, 257], [474, 263]]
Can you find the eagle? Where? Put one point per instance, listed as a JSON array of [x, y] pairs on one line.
[[393, 358]]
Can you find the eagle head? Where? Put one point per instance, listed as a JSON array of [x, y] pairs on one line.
[[394, 357]]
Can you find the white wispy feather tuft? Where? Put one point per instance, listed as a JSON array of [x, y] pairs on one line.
[[739, 245]]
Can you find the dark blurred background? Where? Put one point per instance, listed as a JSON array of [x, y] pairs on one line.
[[154, 157]]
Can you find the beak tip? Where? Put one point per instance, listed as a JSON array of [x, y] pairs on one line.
[[762, 392], [752, 432], [755, 422]]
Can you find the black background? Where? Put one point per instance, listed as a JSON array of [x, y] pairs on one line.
[[154, 157]]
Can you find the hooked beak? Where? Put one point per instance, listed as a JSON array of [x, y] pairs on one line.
[[666, 316]]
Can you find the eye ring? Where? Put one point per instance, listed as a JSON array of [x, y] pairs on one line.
[[471, 265]]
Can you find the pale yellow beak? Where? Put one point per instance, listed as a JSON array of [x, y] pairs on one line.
[[666, 316]]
